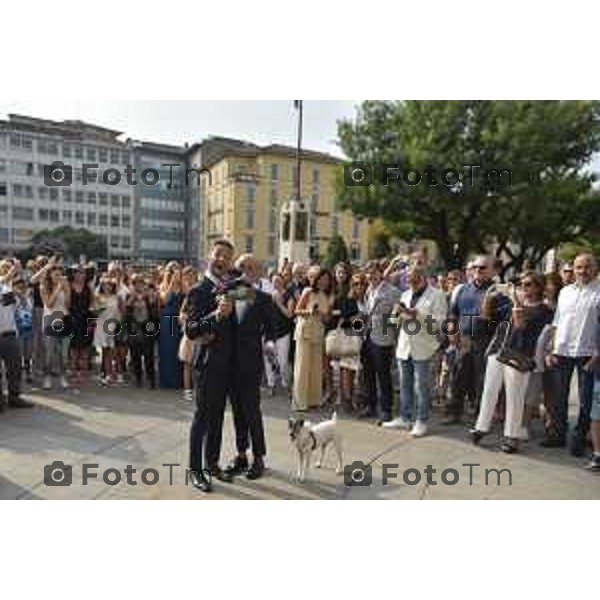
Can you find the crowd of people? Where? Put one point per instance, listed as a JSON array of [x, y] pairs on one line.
[[385, 341]]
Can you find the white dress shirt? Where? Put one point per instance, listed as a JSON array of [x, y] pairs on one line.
[[577, 320]]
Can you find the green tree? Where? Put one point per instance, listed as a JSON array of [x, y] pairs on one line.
[[71, 242], [337, 251], [545, 200]]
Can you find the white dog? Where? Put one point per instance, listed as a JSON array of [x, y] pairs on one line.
[[307, 437]]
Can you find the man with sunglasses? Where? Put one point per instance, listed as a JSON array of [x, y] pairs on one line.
[[476, 328]]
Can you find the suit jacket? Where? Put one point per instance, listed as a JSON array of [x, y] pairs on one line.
[[423, 345], [379, 305]]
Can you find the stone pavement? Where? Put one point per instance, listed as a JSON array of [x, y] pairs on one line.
[[148, 429]]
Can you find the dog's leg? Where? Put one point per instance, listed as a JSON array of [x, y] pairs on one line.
[[319, 462], [338, 448], [306, 465]]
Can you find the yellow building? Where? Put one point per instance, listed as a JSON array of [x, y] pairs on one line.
[[249, 186]]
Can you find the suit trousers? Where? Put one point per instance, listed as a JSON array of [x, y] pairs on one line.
[[211, 389], [10, 355], [247, 415], [467, 379], [377, 363], [515, 384]]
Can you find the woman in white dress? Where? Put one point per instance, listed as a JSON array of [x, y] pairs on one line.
[[109, 309]]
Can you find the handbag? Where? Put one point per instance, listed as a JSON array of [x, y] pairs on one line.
[[514, 358], [338, 344]]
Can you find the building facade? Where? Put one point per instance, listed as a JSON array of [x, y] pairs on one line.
[[250, 185], [161, 219], [28, 204]]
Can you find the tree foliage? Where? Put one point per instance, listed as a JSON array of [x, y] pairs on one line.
[[71, 242], [337, 251], [546, 145]]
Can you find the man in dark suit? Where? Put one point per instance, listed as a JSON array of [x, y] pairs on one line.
[[210, 322], [254, 321]]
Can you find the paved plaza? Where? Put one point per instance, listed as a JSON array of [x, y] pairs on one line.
[[122, 426]]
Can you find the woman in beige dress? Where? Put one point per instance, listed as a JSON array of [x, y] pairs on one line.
[[313, 311]]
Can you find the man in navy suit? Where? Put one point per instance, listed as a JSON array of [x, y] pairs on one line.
[[210, 322]]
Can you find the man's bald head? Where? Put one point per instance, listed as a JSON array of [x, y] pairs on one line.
[[586, 268]]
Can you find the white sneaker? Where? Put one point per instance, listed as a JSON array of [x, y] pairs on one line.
[[419, 430], [524, 434], [47, 384], [64, 384], [120, 378], [188, 395], [397, 423]]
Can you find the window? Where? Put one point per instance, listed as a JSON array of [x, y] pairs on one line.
[[53, 216], [103, 155], [79, 197], [2, 165], [79, 218], [355, 226], [91, 197], [354, 251], [28, 191], [251, 194], [272, 250], [114, 156], [91, 219], [43, 214], [102, 199], [67, 195], [53, 194], [3, 235], [52, 148], [250, 243], [273, 221], [114, 201], [78, 152], [17, 190], [23, 213], [126, 221], [27, 142], [126, 201], [29, 169], [274, 201], [250, 218], [41, 145], [125, 241], [114, 241], [42, 193], [314, 202], [67, 216], [316, 176], [115, 221], [274, 172], [125, 156], [3, 190], [67, 150], [103, 220], [91, 154]]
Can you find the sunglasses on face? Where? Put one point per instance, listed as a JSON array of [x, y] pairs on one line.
[[525, 284]]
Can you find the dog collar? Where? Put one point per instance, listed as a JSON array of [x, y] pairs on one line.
[[313, 437]]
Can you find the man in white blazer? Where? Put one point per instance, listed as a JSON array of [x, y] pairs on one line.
[[422, 310]]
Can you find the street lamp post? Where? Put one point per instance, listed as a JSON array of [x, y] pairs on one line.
[[294, 241]]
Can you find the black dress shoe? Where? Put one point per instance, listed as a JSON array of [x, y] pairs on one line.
[[476, 436], [201, 481], [509, 446], [257, 470], [221, 475], [238, 466], [553, 442], [20, 403]]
